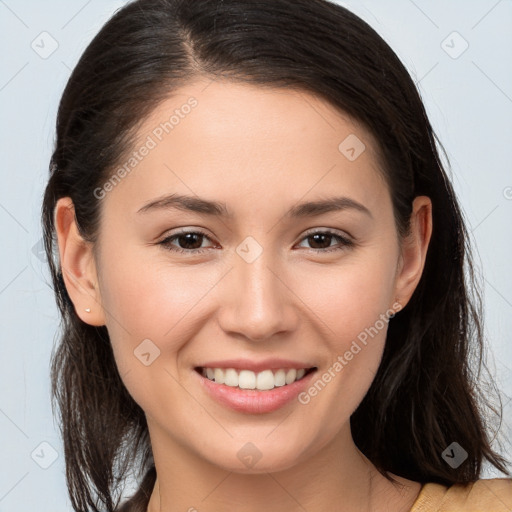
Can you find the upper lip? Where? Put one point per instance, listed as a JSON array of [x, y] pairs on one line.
[[257, 366]]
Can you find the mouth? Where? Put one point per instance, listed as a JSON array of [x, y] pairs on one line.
[[244, 379], [250, 386]]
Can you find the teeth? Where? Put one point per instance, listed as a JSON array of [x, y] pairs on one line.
[[291, 375], [230, 377], [265, 380], [218, 375], [246, 379], [280, 378]]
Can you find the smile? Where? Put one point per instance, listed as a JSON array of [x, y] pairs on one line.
[[246, 379], [266, 388]]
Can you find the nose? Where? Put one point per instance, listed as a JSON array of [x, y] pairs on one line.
[[257, 301]]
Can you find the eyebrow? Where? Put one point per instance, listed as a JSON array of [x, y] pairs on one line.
[[215, 208]]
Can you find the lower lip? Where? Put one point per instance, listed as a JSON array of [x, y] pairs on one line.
[[252, 401]]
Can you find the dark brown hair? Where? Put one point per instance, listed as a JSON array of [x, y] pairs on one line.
[[425, 394]]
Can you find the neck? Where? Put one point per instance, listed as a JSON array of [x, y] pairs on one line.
[[338, 474]]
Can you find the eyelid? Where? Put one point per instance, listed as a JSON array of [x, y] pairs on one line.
[[346, 240], [187, 231], [331, 231]]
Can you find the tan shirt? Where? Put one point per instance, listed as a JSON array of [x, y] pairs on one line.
[[492, 495]]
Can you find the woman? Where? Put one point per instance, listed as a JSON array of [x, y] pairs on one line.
[[213, 342]]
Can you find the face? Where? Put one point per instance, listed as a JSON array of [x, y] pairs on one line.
[[252, 242]]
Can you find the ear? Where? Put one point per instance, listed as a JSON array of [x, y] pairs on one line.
[[414, 250], [78, 265]]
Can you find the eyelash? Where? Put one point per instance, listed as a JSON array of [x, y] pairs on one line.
[[166, 242]]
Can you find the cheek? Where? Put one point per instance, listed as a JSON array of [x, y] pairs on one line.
[[349, 298], [351, 306], [151, 300], [148, 295]]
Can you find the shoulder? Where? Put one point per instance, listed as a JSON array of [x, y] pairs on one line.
[[491, 495]]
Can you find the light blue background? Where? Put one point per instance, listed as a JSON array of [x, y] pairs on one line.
[[468, 98]]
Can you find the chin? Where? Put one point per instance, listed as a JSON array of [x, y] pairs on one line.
[[256, 457]]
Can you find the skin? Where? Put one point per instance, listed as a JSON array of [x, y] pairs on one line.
[[260, 151]]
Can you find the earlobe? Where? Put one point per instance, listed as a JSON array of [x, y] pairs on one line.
[[78, 265], [414, 249]]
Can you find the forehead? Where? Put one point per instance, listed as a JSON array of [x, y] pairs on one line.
[[227, 111], [220, 139]]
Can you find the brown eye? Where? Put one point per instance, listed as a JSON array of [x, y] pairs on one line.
[[321, 241], [185, 242], [190, 240]]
